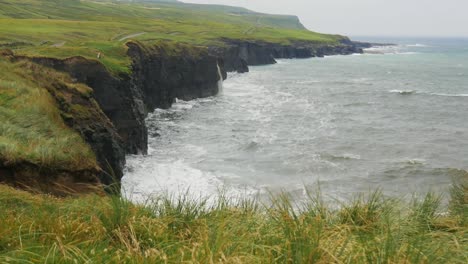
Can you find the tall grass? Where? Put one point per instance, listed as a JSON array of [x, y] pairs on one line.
[[31, 127], [368, 229]]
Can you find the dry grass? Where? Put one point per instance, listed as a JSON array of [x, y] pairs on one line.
[[92, 229], [31, 126]]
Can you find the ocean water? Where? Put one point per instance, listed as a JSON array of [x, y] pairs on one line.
[[395, 120]]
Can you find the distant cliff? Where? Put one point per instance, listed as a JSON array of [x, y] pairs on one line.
[[238, 55]]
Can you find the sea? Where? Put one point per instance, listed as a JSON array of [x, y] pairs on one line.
[[394, 119]]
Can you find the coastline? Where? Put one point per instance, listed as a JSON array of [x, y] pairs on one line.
[[127, 99]]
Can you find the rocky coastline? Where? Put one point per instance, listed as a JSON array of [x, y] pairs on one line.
[[156, 79]]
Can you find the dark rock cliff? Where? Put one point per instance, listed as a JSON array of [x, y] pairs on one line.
[[162, 77], [117, 96]]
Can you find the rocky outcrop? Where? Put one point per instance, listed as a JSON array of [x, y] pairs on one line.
[[162, 77]]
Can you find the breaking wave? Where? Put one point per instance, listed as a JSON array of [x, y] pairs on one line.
[[403, 92], [417, 45]]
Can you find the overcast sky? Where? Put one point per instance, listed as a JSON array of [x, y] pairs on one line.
[[369, 17]]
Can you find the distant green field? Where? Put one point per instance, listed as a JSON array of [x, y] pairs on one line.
[[64, 28]]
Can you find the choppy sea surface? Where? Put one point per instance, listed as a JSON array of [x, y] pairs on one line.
[[394, 119]]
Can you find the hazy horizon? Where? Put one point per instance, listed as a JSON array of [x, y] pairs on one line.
[[368, 18]]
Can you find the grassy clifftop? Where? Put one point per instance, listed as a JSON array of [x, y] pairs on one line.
[[71, 27]]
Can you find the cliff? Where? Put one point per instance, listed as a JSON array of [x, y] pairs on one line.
[[54, 136], [159, 74], [238, 55]]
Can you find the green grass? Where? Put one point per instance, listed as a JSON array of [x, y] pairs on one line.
[[93, 229], [32, 130], [69, 27]]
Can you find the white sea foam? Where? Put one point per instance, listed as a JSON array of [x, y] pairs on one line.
[[283, 61], [183, 105], [351, 156], [415, 161], [175, 178], [417, 45], [383, 50], [389, 50], [403, 92], [146, 180]]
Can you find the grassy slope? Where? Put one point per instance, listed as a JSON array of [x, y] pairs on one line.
[[31, 127], [71, 27], [92, 229]]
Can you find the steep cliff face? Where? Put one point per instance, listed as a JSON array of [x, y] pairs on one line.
[[116, 100], [162, 77], [239, 55], [117, 97], [85, 116]]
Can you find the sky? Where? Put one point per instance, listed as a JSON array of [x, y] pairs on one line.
[[418, 18]]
